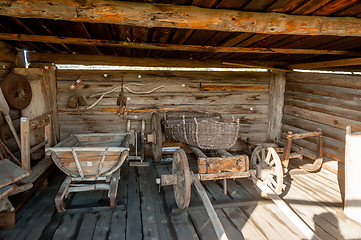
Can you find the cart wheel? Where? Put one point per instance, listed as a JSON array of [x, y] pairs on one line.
[[157, 138], [182, 189], [268, 166]]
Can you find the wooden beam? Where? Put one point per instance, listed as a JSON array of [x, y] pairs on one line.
[[327, 64], [25, 143], [251, 64], [276, 103], [166, 47], [129, 61], [185, 17]]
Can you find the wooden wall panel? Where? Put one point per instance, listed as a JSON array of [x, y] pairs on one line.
[[241, 95], [326, 101]]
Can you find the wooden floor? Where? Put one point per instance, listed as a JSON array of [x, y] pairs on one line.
[[145, 213]]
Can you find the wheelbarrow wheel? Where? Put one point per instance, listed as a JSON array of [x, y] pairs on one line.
[[269, 169], [157, 137], [182, 188]]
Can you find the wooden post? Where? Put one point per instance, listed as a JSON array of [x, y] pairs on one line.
[[48, 132], [275, 104], [49, 79], [25, 143]]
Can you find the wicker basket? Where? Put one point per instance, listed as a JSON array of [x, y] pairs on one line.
[[203, 131]]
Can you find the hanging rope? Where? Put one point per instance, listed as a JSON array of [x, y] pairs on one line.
[[102, 95]]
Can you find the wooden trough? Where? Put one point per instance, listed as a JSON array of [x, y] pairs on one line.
[[92, 162]]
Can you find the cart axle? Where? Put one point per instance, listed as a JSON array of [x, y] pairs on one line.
[[171, 179]]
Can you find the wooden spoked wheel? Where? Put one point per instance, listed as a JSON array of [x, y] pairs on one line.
[[182, 188], [269, 169], [157, 137]]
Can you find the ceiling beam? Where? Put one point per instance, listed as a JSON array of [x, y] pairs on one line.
[[327, 64], [83, 59], [185, 17], [166, 47]]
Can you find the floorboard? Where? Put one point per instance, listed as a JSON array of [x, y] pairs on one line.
[[144, 212]]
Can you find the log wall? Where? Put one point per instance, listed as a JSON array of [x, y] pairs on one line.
[[326, 101], [242, 95]]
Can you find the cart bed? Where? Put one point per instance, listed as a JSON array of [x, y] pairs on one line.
[[90, 155]]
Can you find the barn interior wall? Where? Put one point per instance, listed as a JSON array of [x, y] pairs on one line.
[[326, 101], [237, 95]]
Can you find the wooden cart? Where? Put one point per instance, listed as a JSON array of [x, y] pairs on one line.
[[91, 162], [268, 163], [265, 168]]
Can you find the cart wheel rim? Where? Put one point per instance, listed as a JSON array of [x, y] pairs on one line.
[[182, 189], [157, 137], [268, 167]]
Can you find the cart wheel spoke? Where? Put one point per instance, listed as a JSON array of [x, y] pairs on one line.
[[258, 159], [274, 183], [268, 157]]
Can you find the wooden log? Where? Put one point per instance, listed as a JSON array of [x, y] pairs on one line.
[[327, 64], [276, 103], [166, 46], [324, 118], [346, 104], [101, 76], [25, 143], [323, 108], [127, 61], [334, 92], [337, 80], [185, 17]]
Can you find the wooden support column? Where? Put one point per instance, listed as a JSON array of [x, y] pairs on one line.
[[275, 104], [25, 143], [49, 77]]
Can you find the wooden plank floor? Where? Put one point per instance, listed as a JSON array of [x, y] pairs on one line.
[[145, 213]]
